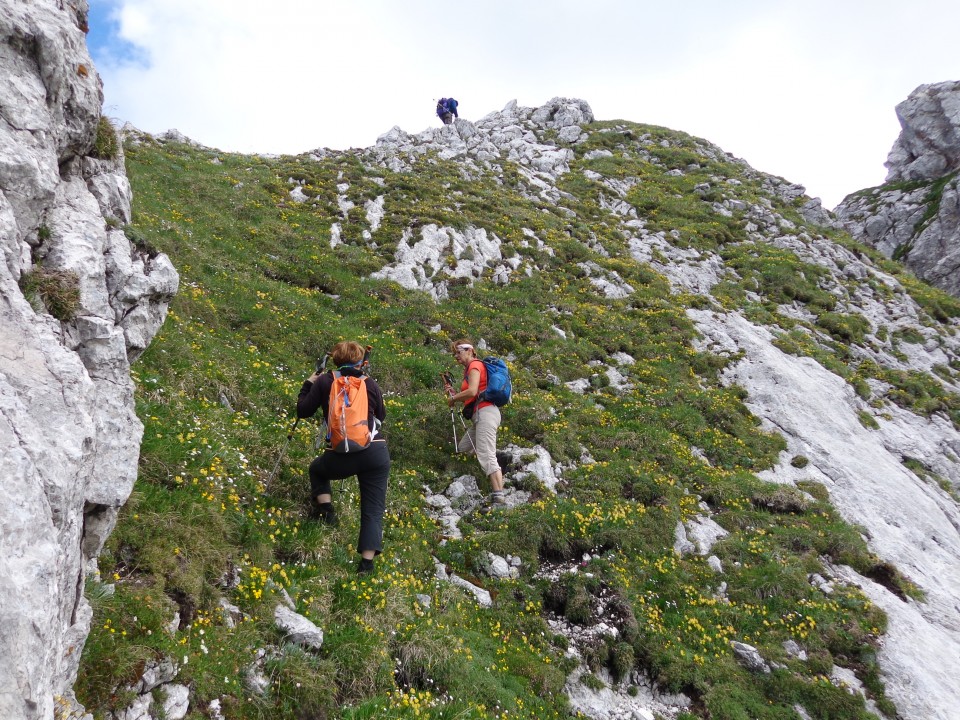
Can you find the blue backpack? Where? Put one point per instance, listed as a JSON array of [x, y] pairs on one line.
[[499, 388]]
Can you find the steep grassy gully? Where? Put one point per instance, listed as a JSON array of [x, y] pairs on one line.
[[263, 295]]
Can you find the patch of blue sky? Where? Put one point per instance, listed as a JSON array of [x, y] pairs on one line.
[[106, 45]]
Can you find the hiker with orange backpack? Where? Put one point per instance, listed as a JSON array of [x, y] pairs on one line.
[[353, 411]]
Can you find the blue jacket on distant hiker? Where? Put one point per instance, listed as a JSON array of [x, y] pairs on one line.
[[447, 110]]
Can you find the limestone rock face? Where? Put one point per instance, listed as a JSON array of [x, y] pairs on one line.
[[915, 215], [907, 522], [929, 144], [510, 134], [69, 437]]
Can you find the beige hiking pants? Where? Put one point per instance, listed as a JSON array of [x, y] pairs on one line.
[[481, 438]]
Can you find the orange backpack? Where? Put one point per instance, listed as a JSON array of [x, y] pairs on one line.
[[348, 429]]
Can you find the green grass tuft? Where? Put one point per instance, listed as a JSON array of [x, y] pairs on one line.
[[106, 146], [58, 292]]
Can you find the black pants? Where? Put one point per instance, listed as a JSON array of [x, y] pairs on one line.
[[372, 468]]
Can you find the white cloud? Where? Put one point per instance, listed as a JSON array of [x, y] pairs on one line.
[[806, 91]]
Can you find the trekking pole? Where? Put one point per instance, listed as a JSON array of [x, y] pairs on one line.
[[466, 433], [447, 382], [463, 423], [365, 363], [283, 451], [448, 385], [319, 370], [320, 367]]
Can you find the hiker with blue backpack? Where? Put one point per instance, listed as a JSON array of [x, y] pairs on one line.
[[447, 110], [353, 410], [484, 411]]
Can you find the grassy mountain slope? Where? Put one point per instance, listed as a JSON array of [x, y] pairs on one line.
[[263, 295]]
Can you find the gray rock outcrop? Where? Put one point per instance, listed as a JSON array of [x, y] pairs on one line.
[[69, 436], [423, 257], [298, 629], [510, 134], [909, 523], [929, 144], [750, 657], [915, 215]]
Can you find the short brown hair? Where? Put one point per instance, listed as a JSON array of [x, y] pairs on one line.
[[346, 353]]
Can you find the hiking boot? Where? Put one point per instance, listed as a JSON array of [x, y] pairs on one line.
[[364, 567], [324, 512], [493, 501]]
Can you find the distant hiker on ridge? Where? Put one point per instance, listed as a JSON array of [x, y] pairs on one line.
[[353, 410], [447, 110]]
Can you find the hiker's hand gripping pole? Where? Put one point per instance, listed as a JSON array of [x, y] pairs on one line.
[[365, 363], [447, 381], [320, 369]]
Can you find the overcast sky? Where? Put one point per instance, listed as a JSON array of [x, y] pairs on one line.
[[803, 90]]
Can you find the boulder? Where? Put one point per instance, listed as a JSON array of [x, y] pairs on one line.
[[750, 657], [297, 628]]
